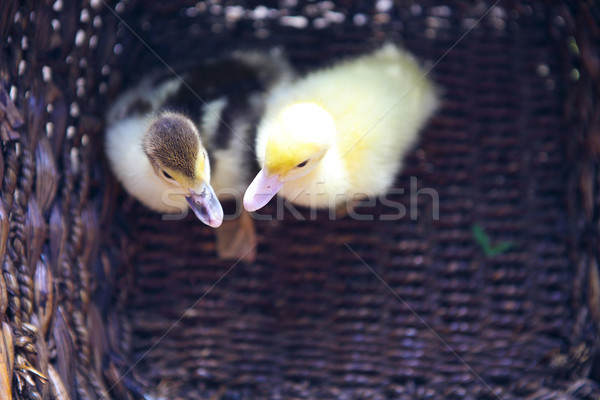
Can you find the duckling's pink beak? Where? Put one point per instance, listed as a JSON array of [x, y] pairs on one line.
[[206, 206], [262, 189]]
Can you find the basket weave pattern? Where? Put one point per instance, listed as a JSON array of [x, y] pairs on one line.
[[100, 298]]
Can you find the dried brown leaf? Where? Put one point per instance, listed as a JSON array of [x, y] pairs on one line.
[[57, 387], [3, 297], [10, 110], [7, 339], [115, 379], [6, 362], [46, 182], [43, 295], [90, 249], [65, 349], [36, 231], [594, 291], [3, 229], [7, 133], [42, 358], [1, 162], [57, 237], [97, 337]]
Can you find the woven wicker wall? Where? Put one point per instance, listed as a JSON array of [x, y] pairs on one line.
[[99, 298]]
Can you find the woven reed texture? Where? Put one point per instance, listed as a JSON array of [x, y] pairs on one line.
[[100, 298]]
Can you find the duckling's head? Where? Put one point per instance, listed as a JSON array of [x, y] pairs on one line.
[[297, 139], [173, 147]]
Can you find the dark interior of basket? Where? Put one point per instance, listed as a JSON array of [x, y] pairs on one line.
[[101, 298]]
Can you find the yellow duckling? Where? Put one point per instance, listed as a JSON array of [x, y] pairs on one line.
[[161, 133], [339, 134]]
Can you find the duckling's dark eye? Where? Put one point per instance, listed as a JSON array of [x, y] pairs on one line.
[[302, 164], [166, 175]]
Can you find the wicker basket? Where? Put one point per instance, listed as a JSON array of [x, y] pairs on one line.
[[100, 298]]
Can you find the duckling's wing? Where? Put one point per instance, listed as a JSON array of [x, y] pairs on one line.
[[218, 92]]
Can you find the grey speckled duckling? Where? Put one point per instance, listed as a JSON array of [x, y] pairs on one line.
[[175, 143]]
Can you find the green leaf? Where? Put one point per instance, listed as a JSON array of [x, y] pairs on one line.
[[500, 248], [482, 238]]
